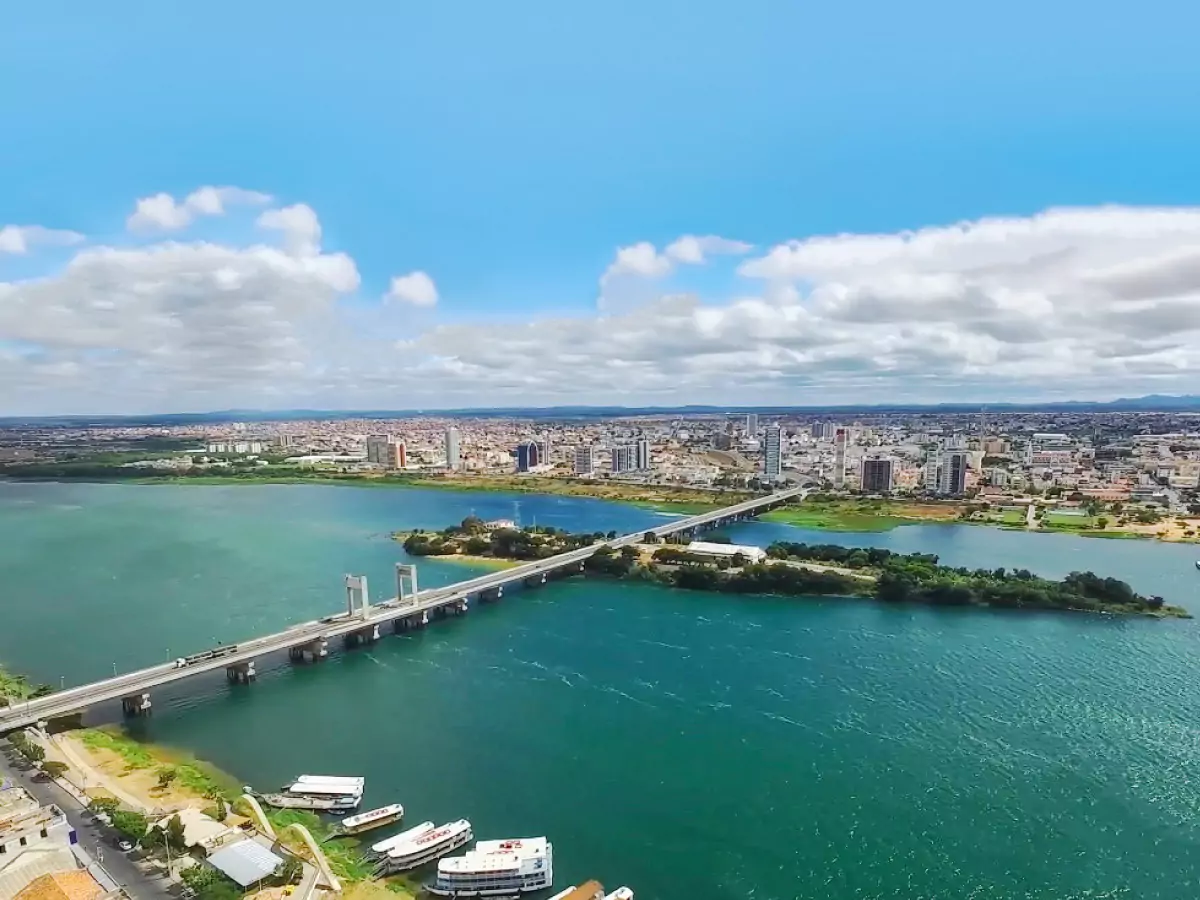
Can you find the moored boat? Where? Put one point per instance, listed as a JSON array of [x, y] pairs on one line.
[[372, 818], [496, 869], [323, 793], [403, 837], [427, 847]]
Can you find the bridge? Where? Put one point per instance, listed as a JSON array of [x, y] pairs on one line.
[[360, 623]]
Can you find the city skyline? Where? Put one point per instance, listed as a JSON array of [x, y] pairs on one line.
[[688, 211]]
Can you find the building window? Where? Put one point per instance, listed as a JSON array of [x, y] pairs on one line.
[[45, 833], [23, 842]]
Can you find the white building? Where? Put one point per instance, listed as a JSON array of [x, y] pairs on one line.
[[585, 460], [642, 455], [773, 453], [623, 459], [453, 452], [839, 457], [751, 424], [726, 551]]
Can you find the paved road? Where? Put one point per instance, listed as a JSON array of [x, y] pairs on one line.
[[95, 838]]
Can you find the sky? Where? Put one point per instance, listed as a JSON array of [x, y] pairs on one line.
[[393, 205]]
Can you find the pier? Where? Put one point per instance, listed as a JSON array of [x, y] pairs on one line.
[[361, 622]]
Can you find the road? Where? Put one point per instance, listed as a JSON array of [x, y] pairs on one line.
[[142, 681], [96, 839]]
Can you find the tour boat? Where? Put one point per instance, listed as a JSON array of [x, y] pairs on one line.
[[427, 847], [396, 840], [323, 793], [496, 869], [372, 818]]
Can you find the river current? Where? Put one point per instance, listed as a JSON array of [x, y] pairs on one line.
[[690, 745]]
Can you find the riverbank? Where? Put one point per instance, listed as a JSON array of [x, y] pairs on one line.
[[859, 514], [156, 781], [667, 498]]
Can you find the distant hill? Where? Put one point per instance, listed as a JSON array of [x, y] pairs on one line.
[[1150, 403]]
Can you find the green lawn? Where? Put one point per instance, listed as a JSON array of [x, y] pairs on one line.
[[838, 518]]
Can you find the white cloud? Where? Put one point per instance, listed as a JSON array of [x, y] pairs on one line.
[[299, 224], [19, 239], [415, 288], [1068, 303], [644, 261], [161, 212]]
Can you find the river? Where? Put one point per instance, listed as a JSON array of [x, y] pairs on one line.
[[690, 745]]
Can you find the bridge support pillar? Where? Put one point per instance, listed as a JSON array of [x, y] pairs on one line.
[[368, 635], [491, 595], [137, 705], [535, 580], [241, 673], [313, 651], [411, 623]]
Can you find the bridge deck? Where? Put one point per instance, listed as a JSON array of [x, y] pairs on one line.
[[143, 680]]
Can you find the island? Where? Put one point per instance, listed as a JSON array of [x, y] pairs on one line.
[[795, 569]]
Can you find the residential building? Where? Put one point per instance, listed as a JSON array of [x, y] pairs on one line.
[[585, 460], [952, 481], [453, 450], [377, 448], [623, 459], [824, 431], [642, 455], [876, 475], [529, 456], [841, 436], [932, 473], [773, 453], [396, 455], [751, 424]]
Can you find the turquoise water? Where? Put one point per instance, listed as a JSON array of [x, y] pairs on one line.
[[690, 745]]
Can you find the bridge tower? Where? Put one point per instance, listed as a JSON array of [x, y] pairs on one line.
[[406, 573], [358, 601]]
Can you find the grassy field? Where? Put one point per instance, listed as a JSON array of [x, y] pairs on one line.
[[194, 775], [849, 514]]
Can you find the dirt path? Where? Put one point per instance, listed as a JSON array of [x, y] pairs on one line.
[[86, 777]]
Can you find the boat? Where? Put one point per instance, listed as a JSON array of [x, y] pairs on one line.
[[322, 793], [1198, 564], [496, 869], [396, 840], [589, 890], [372, 818], [621, 893], [427, 847]]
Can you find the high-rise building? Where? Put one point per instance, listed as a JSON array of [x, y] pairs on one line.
[[952, 481], [642, 455], [751, 424], [772, 453], [623, 458], [396, 455], [453, 453], [544, 448], [377, 448], [529, 456], [585, 460], [824, 431], [931, 474], [839, 457], [876, 475]]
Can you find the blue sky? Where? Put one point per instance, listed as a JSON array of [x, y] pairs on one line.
[[509, 150]]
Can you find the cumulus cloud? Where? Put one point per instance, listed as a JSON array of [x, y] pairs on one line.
[[644, 261], [299, 225], [19, 239], [1076, 302], [162, 212], [415, 288]]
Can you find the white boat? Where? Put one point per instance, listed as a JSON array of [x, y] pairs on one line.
[[403, 837], [496, 869], [427, 847], [621, 893], [372, 818], [325, 793]]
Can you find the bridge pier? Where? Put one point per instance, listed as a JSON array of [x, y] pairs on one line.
[[491, 595], [137, 705], [368, 635], [313, 651], [411, 623], [535, 580], [241, 673]]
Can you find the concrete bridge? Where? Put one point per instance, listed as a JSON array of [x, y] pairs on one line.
[[361, 623]]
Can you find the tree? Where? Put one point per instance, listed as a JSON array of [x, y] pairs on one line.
[[105, 805], [175, 833], [166, 777], [33, 752], [130, 824], [289, 871], [1102, 523], [54, 769]]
